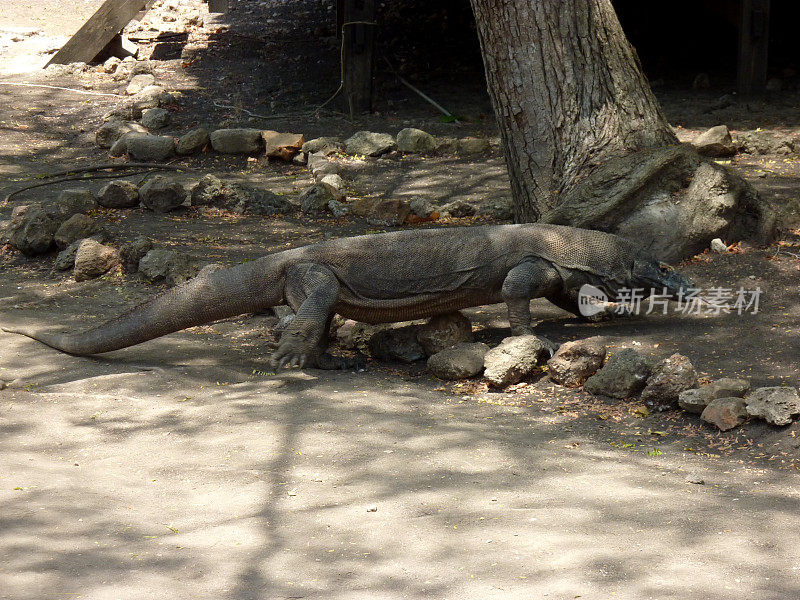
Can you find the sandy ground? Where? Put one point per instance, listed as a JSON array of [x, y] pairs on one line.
[[184, 469]]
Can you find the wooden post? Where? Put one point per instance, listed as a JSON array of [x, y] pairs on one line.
[[358, 36], [98, 31], [753, 46]]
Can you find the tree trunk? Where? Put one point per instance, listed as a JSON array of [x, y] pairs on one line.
[[574, 109]]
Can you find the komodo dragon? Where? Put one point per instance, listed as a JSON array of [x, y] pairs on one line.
[[396, 276]]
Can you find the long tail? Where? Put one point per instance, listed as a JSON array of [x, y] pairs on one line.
[[248, 287]]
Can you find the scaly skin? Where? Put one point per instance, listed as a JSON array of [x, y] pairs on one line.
[[388, 277]]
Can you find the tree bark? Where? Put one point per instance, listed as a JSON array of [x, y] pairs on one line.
[[581, 127]]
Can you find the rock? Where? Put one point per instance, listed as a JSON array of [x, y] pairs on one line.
[[695, 400], [415, 141], [34, 232], [77, 227], [142, 67], [139, 82], [319, 166], [725, 413], [111, 64], [66, 258], [695, 478], [718, 246], [574, 362], [362, 207], [192, 141], [111, 131], [338, 209], [354, 335], [162, 194], [765, 142], [776, 405], [728, 387], [336, 185], [446, 145], [169, 266], [443, 331], [473, 145], [93, 259], [119, 194], [254, 201], [515, 359], [155, 118], [459, 209], [368, 143], [237, 141], [422, 208], [715, 142], [458, 362], [391, 212], [502, 211], [211, 190], [673, 376], [623, 376], [282, 145], [323, 145], [396, 344], [131, 253], [315, 199], [300, 159], [144, 147], [70, 202]]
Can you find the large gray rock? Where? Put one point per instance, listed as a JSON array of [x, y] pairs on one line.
[[323, 145], [211, 190], [716, 141], [415, 141], [473, 145], [458, 362], [729, 387], [767, 142], [315, 199], [192, 141], [336, 185], [369, 143], [673, 376], [319, 166], [574, 362], [695, 400], [162, 194], [139, 82], [70, 202], [254, 201], [155, 118], [515, 359], [119, 194], [77, 227], [33, 233], [148, 148], [776, 405], [623, 376], [168, 266], [443, 331], [396, 344], [132, 109], [66, 258], [725, 413], [459, 209], [237, 141], [132, 252], [93, 259], [111, 131], [389, 212]]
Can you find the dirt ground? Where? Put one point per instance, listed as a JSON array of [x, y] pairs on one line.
[[184, 468]]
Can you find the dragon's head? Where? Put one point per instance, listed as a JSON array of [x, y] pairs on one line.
[[655, 275]]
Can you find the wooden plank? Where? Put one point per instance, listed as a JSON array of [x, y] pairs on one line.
[[358, 53], [98, 31], [753, 46]]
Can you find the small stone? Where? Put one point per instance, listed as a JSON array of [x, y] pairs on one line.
[[336, 185], [473, 145], [669, 379], [718, 246], [443, 331], [192, 141], [77, 227], [695, 400], [415, 141], [111, 131], [300, 159], [422, 207], [458, 362], [237, 141], [391, 212], [169, 266], [111, 64], [372, 508], [162, 194], [210, 190], [623, 376], [144, 147], [155, 118], [727, 387], [368, 143], [459, 209], [131, 253], [695, 478], [574, 362], [725, 413], [323, 145], [66, 258], [254, 201], [119, 194], [338, 209], [515, 359], [396, 344], [715, 142], [319, 166], [282, 145], [776, 405], [70, 202], [33, 233], [316, 198], [139, 82], [93, 259], [446, 145]]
